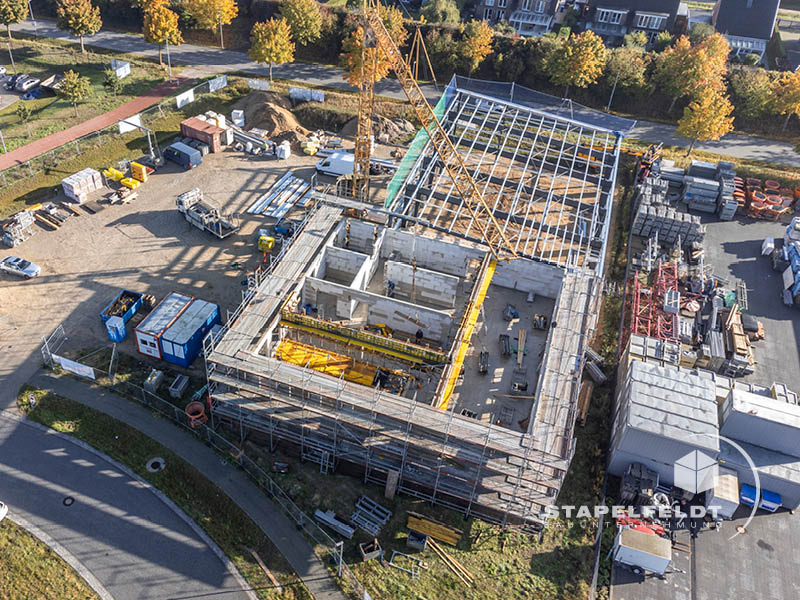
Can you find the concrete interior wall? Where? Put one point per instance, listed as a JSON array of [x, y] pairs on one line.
[[397, 314], [430, 253], [422, 285], [529, 276], [360, 235], [342, 265]]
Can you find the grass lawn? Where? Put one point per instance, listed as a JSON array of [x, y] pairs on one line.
[[130, 145], [29, 569], [204, 502], [51, 113]]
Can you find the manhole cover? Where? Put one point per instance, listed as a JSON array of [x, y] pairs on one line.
[[68, 501], [741, 529], [154, 465]]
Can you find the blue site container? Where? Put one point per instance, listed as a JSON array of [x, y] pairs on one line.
[[770, 501], [115, 326], [182, 341], [149, 331], [748, 495], [136, 304]]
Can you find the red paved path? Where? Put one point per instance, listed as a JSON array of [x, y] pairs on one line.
[[39, 147]]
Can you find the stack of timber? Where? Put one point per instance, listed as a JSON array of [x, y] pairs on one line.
[[432, 528], [451, 563]]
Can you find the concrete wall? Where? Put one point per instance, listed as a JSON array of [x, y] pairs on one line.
[[430, 253], [343, 262], [428, 286], [435, 324], [362, 235], [529, 276]]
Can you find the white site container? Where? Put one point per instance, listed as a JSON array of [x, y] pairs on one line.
[[642, 551], [724, 496]]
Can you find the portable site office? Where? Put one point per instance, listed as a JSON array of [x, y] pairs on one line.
[[150, 330], [182, 341]]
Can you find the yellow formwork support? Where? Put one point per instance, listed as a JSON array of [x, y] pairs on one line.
[[466, 329], [324, 361]]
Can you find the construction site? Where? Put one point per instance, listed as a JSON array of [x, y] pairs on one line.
[[416, 356]]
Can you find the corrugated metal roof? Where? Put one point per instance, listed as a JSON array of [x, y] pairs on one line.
[[161, 316], [192, 319], [673, 403]]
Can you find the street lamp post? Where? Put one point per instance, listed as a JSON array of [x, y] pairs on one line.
[[11, 56], [613, 89], [33, 19], [169, 63]]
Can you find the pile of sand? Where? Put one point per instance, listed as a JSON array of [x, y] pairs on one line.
[[386, 131], [271, 112]]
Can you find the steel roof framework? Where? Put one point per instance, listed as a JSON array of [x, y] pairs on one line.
[[549, 179]]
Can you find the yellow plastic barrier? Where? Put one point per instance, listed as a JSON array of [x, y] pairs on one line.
[[139, 171], [130, 183], [113, 174]]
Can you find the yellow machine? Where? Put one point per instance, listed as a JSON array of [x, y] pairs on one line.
[[265, 243], [113, 174], [381, 328]]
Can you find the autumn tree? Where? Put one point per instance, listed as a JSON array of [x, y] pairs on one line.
[[636, 39], [752, 93], [786, 96], [160, 26], [713, 52], [212, 14], [351, 47], [578, 61], [476, 43], [441, 11], [271, 43], [304, 20], [627, 68], [677, 70], [13, 11], [78, 18], [663, 39], [708, 117], [74, 88], [111, 82]]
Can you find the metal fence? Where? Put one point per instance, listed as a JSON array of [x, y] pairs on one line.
[[325, 547], [52, 158]]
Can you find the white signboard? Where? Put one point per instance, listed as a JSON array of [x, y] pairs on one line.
[[130, 124], [74, 367], [258, 84], [218, 83], [185, 98], [121, 68], [306, 95]]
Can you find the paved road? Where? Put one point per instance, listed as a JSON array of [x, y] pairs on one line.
[[118, 529], [233, 482], [210, 61]]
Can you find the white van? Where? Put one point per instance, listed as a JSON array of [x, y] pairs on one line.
[[338, 163]]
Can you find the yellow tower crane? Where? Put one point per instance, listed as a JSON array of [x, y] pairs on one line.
[[377, 36]]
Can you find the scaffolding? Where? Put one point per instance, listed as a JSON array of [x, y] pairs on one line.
[[645, 305], [550, 178]]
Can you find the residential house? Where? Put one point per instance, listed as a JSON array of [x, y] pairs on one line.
[[747, 24], [527, 17], [613, 19]]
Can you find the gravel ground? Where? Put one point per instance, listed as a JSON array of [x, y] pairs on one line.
[[145, 246]]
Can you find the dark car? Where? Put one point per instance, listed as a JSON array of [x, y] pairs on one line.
[[11, 82]]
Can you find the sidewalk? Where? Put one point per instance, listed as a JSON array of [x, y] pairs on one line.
[[233, 482], [59, 138]]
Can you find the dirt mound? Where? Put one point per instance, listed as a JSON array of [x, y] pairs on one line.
[[386, 131], [271, 112]]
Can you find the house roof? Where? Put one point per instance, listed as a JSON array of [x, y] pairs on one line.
[[647, 6], [746, 18]]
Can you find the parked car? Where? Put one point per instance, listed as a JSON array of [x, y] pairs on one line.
[[20, 267], [12, 81], [184, 155], [3, 511], [27, 84]]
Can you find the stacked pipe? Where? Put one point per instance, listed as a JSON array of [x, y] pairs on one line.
[[653, 213]]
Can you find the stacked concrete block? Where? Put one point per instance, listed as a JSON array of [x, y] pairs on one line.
[[703, 169], [700, 193], [78, 186], [726, 204], [669, 222]]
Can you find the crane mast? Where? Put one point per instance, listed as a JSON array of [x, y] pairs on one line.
[[377, 36]]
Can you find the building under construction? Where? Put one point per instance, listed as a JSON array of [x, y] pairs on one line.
[[407, 352]]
